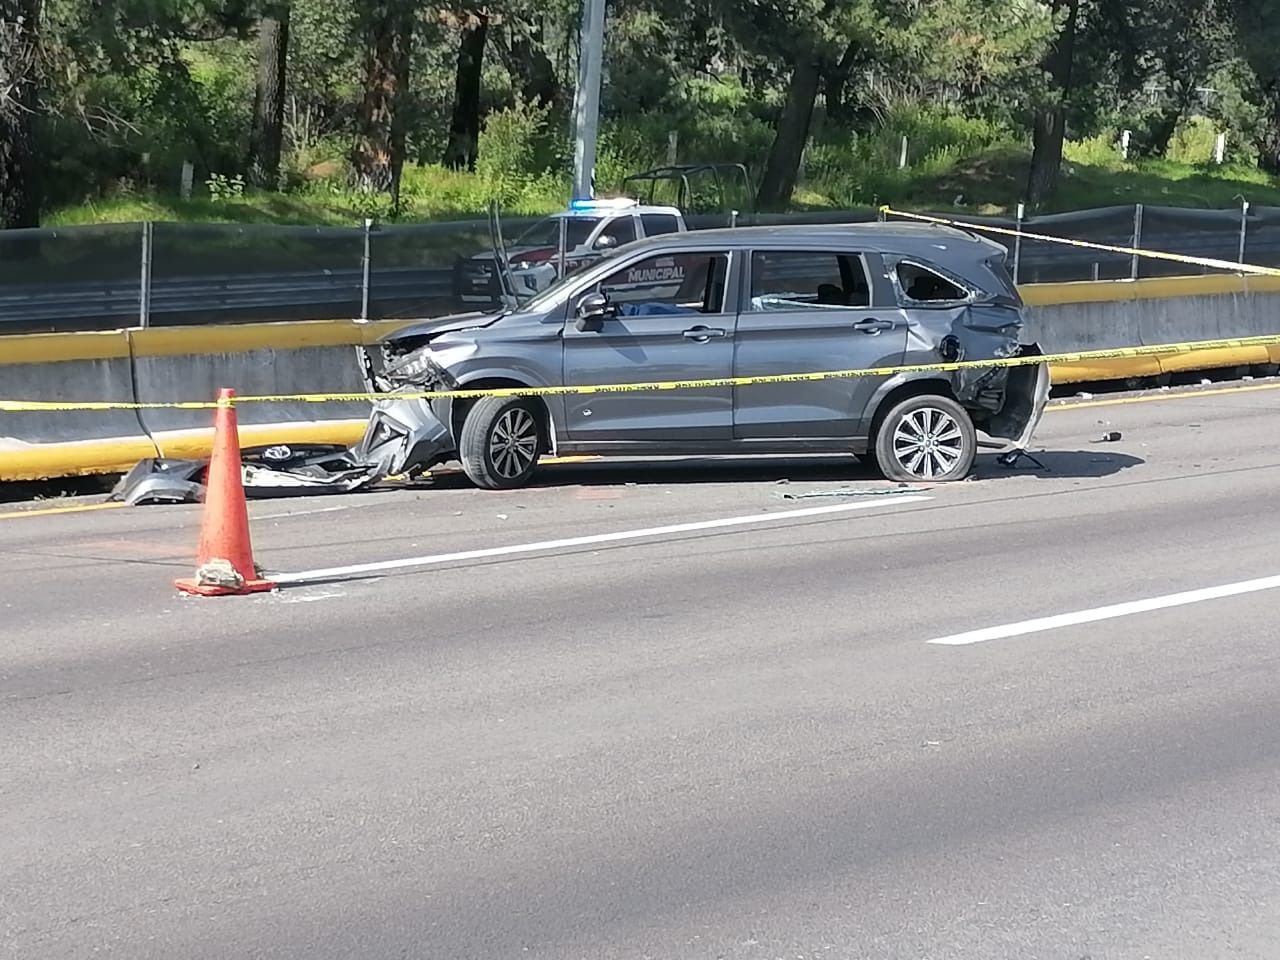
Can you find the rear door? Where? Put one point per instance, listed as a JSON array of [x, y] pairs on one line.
[[620, 230], [675, 322], [656, 224], [806, 311]]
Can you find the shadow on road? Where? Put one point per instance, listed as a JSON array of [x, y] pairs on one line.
[[692, 471], [1068, 464]]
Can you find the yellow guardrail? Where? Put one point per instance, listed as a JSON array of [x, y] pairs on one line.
[[649, 386]]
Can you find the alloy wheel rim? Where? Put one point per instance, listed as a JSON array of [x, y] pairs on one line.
[[513, 444], [928, 443]]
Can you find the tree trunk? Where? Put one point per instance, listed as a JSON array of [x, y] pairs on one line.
[[838, 109], [783, 166], [378, 157], [266, 137], [1162, 132], [19, 149], [1046, 158], [1178, 107], [526, 60], [464, 130], [1051, 119]]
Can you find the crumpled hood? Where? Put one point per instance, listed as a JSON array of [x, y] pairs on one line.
[[427, 329]]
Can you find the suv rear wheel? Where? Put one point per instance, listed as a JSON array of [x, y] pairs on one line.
[[501, 442], [926, 438]]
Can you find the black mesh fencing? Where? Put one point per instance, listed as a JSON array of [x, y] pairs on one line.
[[70, 278], [816, 217], [93, 277], [1262, 237], [433, 269], [1197, 233], [1042, 261], [224, 273]]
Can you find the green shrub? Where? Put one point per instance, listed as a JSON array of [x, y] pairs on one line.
[[225, 189], [516, 149], [1102, 151], [1194, 141]]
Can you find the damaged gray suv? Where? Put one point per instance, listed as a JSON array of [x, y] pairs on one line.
[[720, 304]]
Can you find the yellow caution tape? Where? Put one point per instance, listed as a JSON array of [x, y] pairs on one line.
[[1089, 245], [1084, 356]]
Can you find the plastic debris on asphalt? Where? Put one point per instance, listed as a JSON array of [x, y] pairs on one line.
[[849, 492]]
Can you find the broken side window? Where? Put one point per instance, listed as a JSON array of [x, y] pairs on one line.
[[919, 284]]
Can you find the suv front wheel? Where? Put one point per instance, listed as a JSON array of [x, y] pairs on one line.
[[501, 442], [926, 438]]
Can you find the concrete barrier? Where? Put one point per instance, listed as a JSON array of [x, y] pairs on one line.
[[68, 368], [269, 359], [1091, 316], [1087, 324], [191, 363], [164, 365]]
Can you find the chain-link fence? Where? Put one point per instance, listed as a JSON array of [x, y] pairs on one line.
[[167, 274]]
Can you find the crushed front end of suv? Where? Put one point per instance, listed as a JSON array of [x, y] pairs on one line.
[[719, 305]]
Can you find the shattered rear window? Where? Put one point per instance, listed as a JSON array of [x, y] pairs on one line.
[[923, 285]]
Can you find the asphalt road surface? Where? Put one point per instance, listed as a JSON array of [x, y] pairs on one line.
[[729, 740]]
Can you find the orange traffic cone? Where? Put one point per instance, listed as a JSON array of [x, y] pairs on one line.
[[224, 560]]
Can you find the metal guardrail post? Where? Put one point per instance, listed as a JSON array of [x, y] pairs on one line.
[[144, 283], [1017, 244], [365, 270], [1244, 228], [1137, 239]]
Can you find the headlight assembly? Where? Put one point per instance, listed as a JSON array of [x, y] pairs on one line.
[[412, 367]]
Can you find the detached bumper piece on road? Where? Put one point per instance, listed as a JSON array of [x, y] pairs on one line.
[[266, 472]]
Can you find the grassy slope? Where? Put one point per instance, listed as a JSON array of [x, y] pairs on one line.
[[255, 208], [993, 183], [990, 182]]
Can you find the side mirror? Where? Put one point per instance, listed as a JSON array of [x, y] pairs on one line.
[[593, 309], [605, 241]]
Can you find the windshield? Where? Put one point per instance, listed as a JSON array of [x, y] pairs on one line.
[[546, 233], [546, 298]]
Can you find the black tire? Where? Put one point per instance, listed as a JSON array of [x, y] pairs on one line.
[[501, 442], [926, 435]]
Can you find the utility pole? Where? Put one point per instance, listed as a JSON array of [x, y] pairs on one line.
[[586, 102]]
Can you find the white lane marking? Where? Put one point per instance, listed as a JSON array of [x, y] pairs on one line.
[[301, 513], [311, 597], [1108, 613], [361, 568]]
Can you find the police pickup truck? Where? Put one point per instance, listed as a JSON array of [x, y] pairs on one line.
[[589, 229]]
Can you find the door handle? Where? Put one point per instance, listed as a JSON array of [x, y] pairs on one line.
[[703, 334], [873, 326]]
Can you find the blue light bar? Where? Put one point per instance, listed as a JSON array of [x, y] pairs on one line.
[[595, 205]]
